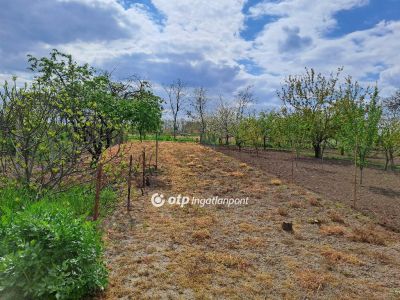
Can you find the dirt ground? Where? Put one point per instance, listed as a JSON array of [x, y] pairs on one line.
[[241, 252], [378, 196]]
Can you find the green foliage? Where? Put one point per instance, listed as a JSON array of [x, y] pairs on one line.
[[144, 113], [79, 200], [68, 112], [165, 138], [48, 253], [294, 130], [358, 118], [251, 131], [312, 96]]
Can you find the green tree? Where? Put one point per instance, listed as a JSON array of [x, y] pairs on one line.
[[41, 148], [312, 96], [144, 112], [251, 131], [359, 115]]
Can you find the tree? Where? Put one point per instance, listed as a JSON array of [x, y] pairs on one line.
[[359, 115], [42, 149], [294, 129], [199, 106], [144, 112], [243, 99], [224, 119], [390, 129], [251, 131], [265, 124], [312, 96], [176, 93], [85, 100]]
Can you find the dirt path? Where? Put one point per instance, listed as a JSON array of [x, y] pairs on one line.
[[241, 252], [379, 195]]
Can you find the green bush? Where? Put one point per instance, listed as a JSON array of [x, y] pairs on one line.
[[46, 252]]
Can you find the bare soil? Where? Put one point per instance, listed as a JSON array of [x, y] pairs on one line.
[[241, 252], [378, 196]]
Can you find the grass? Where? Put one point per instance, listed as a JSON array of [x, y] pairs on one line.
[[333, 230], [369, 235], [79, 199], [334, 256], [165, 138], [221, 253]]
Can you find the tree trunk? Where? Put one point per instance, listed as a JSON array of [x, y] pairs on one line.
[[341, 151], [317, 150], [386, 160], [175, 127], [265, 142], [227, 140], [361, 175], [391, 158], [355, 179]]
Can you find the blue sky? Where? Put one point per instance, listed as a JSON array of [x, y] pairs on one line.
[[222, 45]]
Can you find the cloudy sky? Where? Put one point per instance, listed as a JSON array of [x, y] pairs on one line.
[[222, 45]]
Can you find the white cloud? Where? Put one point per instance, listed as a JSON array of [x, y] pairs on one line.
[[202, 39]]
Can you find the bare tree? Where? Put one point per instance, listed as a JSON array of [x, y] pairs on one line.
[[199, 109], [225, 115], [390, 129], [244, 98], [176, 92]]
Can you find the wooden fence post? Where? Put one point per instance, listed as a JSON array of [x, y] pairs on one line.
[[98, 190], [144, 168], [156, 166], [128, 204]]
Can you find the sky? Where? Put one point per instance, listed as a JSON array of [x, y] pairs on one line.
[[221, 45]]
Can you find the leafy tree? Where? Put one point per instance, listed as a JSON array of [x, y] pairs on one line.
[[243, 99], [311, 96], [359, 115], [294, 130], [144, 112], [42, 148], [251, 131]]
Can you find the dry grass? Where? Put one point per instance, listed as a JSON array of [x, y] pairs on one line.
[[369, 235], [247, 227], [313, 280], [336, 217], [201, 234], [243, 165], [296, 204], [228, 260], [315, 202], [236, 174], [204, 221], [251, 242], [332, 230], [276, 181], [334, 256], [282, 211], [217, 252]]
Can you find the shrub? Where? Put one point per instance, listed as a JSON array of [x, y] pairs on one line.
[[48, 253]]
